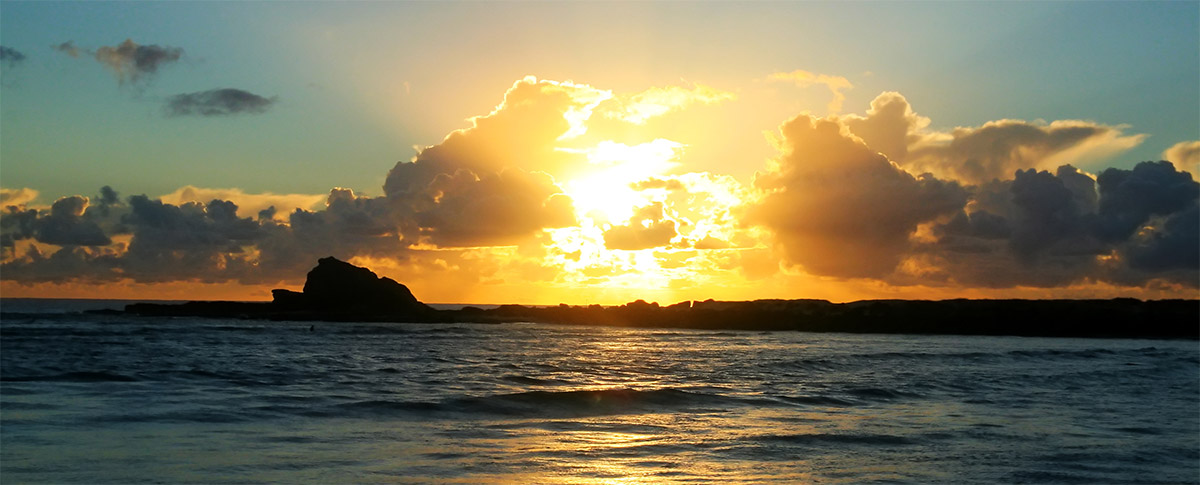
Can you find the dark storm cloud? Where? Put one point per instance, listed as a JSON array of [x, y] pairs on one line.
[[217, 102], [10, 57], [132, 62]]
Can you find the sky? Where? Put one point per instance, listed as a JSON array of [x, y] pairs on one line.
[[602, 152]]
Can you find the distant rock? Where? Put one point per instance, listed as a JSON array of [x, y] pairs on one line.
[[338, 286], [334, 291]]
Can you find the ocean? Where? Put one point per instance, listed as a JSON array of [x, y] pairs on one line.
[[87, 398]]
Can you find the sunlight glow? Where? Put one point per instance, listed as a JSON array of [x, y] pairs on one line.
[[605, 193]]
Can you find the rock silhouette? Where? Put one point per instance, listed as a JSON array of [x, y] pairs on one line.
[[336, 286], [333, 291]]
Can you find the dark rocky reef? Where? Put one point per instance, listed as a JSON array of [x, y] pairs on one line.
[[338, 291], [1115, 318]]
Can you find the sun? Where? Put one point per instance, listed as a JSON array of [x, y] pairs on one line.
[[605, 190]]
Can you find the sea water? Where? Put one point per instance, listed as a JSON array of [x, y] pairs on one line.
[[90, 398]]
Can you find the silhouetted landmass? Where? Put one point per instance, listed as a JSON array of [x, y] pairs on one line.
[[334, 291], [339, 291]]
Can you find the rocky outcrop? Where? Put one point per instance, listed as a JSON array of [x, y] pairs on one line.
[[334, 291], [336, 286]]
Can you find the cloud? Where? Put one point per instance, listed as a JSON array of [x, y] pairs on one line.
[[890, 125], [497, 208], [657, 101], [479, 188], [1186, 156], [217, 102], [974, 155], [1129, 198], [1045, 229], [648, 228], [16, 224], [838, 208], [10, 57], [17, 197], [132, 62], [999, 148], [66, 226], [481, 185], [69, 48], [522, 132], [1173, 247], [249, 204], [1045, 215], [801, 78], [659, 183]]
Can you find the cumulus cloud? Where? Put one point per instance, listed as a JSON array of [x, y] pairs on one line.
[[481, 185], [521, 132], [648, 228], [1129, 198], [132, 62], [497, 208], [975, 155], [1186, 156], [889, 126], [999, 148], [217, 102], [149, 240], [1047, 229], [10, 57], [838, 208], [16, 224], [17, 197], [65, 225], [249, 204], [1170, 248], [835, 84], [69, 48]]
